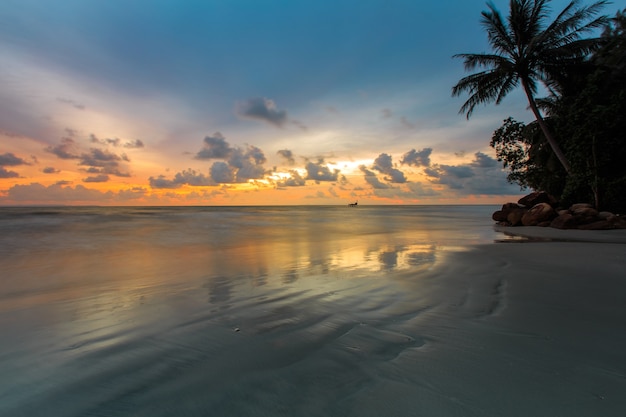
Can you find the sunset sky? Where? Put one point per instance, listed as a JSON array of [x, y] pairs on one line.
[[240, 102]]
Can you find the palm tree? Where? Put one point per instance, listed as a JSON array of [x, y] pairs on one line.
[[526, 50]]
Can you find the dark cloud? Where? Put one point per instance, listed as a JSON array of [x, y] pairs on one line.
[[288, 155], [187, 177], [239, 164], [222, 173], [484, 161], [50, 170], [9, 159], [97, 178], [247, 164], [104, 162], [65, 150], [317, 171], [372, 179], [263, 109], [8, 174], [295, 180], [480, 176], [417, 158], [384, 164], [215, 147]]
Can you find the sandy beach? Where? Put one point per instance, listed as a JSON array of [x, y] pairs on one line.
[[142, 317]]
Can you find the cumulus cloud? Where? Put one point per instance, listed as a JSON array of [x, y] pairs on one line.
[[372, 179], [482, 175], [384, 164], [55, 193], [186, 177], [294, 180], [484, 161], [264, 109], [417, 158], [222, 173], [50, 170], [287, 155], [318, 171], [215, 147]]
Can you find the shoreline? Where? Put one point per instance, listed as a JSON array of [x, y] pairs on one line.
[[550, 234]]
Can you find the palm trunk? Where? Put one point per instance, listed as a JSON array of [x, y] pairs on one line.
[[544, 128]]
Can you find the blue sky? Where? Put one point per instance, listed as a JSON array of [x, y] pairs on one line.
[[126, 102]]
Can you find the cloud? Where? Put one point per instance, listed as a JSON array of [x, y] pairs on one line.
[[116, 142], [482, 175], [222, 173], [65, 150], [372, 179], [295, 180], [134, 144], [97, 178], [50, 170], [215, 147], [104, 162], [484, 161], [287, 155], [8, 174], [186, 177], [317, 171], [383, 163], [9, 159], [55, 193], [415, 158], [259, 108]]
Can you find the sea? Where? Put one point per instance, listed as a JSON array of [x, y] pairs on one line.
[[214, 311]]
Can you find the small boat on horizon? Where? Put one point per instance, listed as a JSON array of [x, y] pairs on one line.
[[353, 204]]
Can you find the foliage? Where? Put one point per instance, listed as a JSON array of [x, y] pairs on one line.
[[589, 118], [528, 50], [531, 163]]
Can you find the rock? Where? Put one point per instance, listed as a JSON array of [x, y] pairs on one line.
[[515, 216], [606, 215], [499, 216], [537, 197], [564, 221], [618, 222], [508, 207], [544, 224], [538, 213], [578, 206], [584, 211]]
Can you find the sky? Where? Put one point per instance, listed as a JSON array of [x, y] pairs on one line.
[[245, 102]]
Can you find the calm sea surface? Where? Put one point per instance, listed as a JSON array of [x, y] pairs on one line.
[[211, 310]]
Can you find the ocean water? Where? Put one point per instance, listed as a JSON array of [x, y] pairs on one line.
[[215, 311]]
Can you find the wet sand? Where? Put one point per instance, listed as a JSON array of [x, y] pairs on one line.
[[525, 328]]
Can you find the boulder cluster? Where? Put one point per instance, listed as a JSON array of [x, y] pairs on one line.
[[541, 209]]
